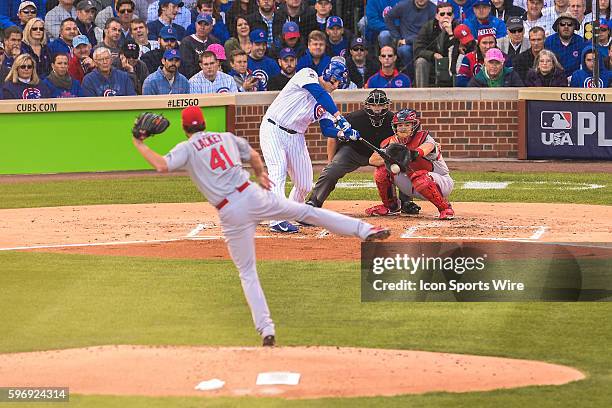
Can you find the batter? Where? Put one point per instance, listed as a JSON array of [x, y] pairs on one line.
[[214, 162], [304, 100]]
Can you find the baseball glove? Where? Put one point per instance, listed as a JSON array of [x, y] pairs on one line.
[[400, 155], [148, 124]]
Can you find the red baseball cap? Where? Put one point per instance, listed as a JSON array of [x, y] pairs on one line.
[[192, 116], [463, 34]]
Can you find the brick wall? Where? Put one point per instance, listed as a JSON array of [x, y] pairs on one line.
[[465, 128]]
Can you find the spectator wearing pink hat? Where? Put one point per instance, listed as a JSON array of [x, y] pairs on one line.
[[494, 74], [219, 52], [194, 45]]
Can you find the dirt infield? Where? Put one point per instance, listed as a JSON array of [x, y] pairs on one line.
[[191, 230], [325, 371]]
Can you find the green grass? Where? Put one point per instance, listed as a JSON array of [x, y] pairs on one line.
[[524, 188], [52, 301]]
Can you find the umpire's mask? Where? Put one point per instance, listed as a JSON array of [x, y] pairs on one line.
[[376, 106]]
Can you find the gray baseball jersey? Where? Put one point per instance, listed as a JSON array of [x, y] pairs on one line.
[[214, 162]]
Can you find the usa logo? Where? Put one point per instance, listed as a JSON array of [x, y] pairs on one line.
[[319, 111], [31, 93], [557, 120]]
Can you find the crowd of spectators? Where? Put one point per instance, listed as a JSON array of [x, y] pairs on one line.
[[73, 48]]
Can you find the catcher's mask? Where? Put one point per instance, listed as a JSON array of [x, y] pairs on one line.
[[407, 116], [378, 98]]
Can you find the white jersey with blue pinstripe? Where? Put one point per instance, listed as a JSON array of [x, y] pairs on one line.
[[222, 83], [295, 108]]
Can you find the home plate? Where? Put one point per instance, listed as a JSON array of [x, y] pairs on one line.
[[278, 378]]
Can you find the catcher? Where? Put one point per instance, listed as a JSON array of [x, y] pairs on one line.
[[422, 170]]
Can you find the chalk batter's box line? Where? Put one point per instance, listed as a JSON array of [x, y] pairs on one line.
[[539, 231]]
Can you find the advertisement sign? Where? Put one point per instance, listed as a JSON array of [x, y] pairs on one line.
[[569, 130]]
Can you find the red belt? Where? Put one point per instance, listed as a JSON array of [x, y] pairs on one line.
[[240, 189]]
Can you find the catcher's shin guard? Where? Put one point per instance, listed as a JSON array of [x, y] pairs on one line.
[[425, 185], [386, 188]]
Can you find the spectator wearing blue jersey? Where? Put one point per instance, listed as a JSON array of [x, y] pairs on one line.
[[482, 19], [565, 43], [63, 44], [167, 79], [388, 76], [259, 64], [59, 82], [168, 9], [583, 78], [315, 56], [106, 80], [338, 39], [376, 28], [412, 15], [22, 81]]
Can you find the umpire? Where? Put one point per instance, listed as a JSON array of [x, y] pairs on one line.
[[374, 124]]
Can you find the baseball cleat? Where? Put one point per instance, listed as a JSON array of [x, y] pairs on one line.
[[381, 210], [284, 227], [447, 214], [378, 234], [410, 207], [269, 341]]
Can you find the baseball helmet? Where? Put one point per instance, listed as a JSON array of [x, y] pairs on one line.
[[377, 97], [337, 70], [406, 116]]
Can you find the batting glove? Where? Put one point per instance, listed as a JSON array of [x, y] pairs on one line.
[[342, 124], [353, 135]]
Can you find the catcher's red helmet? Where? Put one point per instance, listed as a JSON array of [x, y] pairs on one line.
[[407, 116]]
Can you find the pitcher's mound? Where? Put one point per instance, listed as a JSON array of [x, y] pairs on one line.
[[325, 371]]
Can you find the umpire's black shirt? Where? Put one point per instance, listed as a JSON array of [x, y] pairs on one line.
[[360, 121]]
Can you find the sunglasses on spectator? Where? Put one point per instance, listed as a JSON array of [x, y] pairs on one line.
[[26, 66], [37, 29], [126, 11], [448, 13], [357, 49], [28, 11], [516, 30], [566, 24], [387, 55]]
